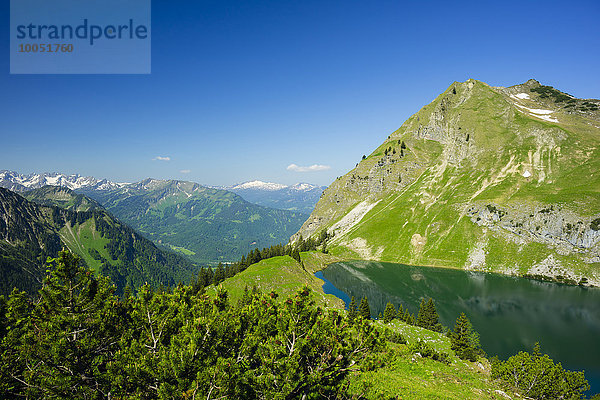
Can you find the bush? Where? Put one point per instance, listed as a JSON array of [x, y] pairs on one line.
[[539, 377], [427, 351], [396, 337]]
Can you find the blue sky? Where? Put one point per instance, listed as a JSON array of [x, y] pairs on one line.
[[241, 90]]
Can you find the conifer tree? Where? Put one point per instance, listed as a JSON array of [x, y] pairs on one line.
[[219, 274], [428, 317], [296, 255], [539, 377], [389, 313], [464, 341], [68, 333], [352, 311], [363, 309]]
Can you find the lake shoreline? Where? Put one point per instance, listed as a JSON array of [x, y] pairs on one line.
[[510, 312], [535, 277]]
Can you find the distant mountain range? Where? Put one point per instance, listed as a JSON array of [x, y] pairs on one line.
[[300, 197], [20, 182], [63, 197], [206, 225]]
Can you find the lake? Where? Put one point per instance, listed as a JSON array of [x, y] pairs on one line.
[[510, 313]]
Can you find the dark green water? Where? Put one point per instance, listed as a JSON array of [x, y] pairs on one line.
[[509, 313]]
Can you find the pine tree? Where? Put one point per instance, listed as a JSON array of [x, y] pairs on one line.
[[363, 309], [539, 377], [407, 317], [296, 255], [428, 317], [464, 341], [68, 333], [352, 311], [400, 313], [219, 274], [389, 313]]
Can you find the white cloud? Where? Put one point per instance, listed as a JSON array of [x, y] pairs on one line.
[[159, 158], [311, 168], [185, 171]]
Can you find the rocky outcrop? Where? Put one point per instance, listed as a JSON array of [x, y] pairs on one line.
[[544, 224]]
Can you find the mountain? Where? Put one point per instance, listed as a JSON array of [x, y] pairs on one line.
[[30, 233], [20, 182], [204, 224], [62, 197], [483, 178], [300, 197]]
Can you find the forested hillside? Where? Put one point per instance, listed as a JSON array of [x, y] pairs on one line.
[[205, 225], [30, 233]]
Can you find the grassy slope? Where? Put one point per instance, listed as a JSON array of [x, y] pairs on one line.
[[405, 375], [282, 274], [83, 237]]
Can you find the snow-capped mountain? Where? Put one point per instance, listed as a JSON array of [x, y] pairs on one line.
[[299, 197], [20, 182], [259, 185], [270, 186]]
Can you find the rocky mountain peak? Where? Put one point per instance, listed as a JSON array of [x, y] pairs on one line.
[[518, 150]]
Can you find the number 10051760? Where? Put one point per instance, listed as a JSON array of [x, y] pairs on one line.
[[45, 48]]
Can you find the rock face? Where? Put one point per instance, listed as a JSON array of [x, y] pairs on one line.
[[488, 178]]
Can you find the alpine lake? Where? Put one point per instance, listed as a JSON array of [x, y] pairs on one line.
[[510, 313]]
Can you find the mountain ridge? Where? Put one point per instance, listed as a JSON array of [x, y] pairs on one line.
[[22, 182], [31, 232], [206, 225], [63, 197]]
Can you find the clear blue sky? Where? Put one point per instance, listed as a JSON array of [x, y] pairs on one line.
[[240, 90]]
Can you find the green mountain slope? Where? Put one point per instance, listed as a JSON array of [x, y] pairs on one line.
[[483, 178], [206, 225], [30, 233], [282, 274], [62, 197]]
